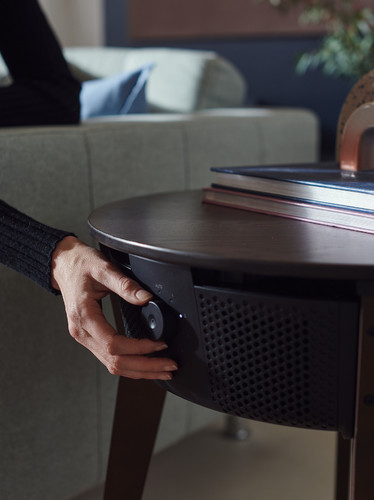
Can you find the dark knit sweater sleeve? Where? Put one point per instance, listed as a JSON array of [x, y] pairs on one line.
[[27, 245]]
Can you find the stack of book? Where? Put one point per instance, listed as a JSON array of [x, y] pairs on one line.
[[320, 193]]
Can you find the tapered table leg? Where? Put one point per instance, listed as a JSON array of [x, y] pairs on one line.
[[137, 415], [343, 454], [362, 454]]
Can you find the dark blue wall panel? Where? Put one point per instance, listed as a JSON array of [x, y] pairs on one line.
[[116, 30]]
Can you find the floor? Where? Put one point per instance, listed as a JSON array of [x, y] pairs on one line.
[[273, 463]]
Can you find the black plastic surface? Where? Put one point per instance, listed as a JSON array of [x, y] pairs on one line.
[[270, 357]]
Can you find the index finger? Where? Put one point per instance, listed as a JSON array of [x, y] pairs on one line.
[[128, 289]]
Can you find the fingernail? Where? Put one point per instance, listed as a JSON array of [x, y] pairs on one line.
[[170, 368], [166, 377], [143, 295], [161, 347]]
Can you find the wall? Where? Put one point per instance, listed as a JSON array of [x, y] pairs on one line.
[[268, 65], [267, 62], [210, 18], [76, 22]]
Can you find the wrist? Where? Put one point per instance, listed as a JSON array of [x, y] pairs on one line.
[[58, 259]]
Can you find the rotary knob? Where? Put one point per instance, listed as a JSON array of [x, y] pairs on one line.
[[158, 317]]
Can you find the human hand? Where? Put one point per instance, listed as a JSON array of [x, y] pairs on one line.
[[84, 276]]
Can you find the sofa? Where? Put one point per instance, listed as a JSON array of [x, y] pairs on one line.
[[56, 400]]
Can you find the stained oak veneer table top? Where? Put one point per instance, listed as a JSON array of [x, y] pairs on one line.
[[179, 228]]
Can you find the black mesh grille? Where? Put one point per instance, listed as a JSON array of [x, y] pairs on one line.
[[271, 359], [133, 321]]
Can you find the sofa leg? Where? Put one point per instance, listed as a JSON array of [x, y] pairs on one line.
[[236, 428]]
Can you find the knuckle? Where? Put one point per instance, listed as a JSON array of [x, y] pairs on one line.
[[76, 333], [125, 284], [111, 370], [75, 325], [114, 366], [111, 347], [103, 270]]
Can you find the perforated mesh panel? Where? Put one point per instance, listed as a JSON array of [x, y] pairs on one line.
[[271, 359], [133, 321]]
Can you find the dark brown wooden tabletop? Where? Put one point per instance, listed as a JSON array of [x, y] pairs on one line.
[[178, 228]]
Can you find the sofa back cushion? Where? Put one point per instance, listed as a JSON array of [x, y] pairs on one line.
[[181, 81]]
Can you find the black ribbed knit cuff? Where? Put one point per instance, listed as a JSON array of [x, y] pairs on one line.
[[27, 245]]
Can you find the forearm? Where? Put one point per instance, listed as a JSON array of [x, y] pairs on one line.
[[27, 245]]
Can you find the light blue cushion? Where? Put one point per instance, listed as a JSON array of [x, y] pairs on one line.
[[116, 95]]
